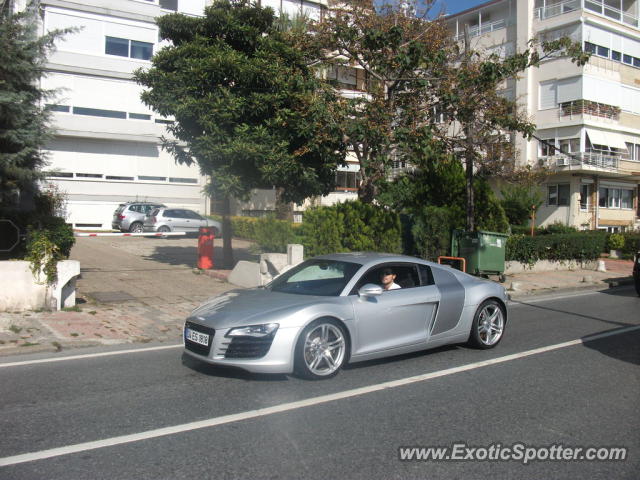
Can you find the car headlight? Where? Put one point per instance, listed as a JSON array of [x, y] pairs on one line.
[[253, 330]]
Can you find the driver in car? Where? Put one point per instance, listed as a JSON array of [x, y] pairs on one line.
[[387, 278]]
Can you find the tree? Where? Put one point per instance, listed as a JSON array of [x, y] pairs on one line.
[[427, 97], [247, 106], [24, 120]]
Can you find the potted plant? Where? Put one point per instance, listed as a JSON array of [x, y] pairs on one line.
[[616, 242]]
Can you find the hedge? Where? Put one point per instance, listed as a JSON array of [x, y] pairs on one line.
[[350, 226], [567, 246]]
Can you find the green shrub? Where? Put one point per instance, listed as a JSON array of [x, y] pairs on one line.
[[557, 227], [432, 231], [48, 241], [631, 244], [241, 227], [569, 246], [273, 235], [615, 241], [322, 231], [350, 226]]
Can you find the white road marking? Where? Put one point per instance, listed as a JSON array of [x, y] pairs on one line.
[[286, 407], [89, 355]]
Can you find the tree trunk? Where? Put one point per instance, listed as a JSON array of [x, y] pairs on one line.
[[367, 191], [284, 210], [227, 248], [469, 190]]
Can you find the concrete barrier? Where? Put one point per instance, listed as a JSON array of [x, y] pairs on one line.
[[250, 274], [548, 266], [20, 291]]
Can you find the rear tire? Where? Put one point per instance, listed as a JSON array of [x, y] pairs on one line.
[[637, 282], [136, 227], [164, 229], [488, 325]]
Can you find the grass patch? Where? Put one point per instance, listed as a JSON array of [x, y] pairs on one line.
[[75, 308], [57, 346], [74, 334], [15, 328], [28, 344], [92, 312]]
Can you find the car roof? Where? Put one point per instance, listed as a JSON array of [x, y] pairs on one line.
[[372, 258]]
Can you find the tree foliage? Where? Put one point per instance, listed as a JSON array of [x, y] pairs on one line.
[[427, 96], [24, 126], [247, 107]]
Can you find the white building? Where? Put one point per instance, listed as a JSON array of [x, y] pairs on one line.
[[107, 145], [589, 116]]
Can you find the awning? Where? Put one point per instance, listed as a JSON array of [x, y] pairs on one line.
[[610, 139]]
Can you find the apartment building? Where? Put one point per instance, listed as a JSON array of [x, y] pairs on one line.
[[107, 147], [588, 118], [107, 144]]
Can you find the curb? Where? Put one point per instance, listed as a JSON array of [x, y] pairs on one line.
[[621, 282]]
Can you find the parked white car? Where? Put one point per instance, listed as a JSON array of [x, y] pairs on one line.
[[178, 220]]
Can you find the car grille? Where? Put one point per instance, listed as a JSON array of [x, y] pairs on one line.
[[196, 347], [247, 347]]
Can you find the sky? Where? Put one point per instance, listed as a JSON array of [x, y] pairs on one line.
[[455, 6]]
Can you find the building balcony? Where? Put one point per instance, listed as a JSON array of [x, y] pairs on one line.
[[587, 107], [483, 28], [589, 162], [604, 8]]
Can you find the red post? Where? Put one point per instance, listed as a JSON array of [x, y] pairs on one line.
[[205, 248]]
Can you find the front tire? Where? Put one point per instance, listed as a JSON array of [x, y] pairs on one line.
[[322, 349], [488, 325]]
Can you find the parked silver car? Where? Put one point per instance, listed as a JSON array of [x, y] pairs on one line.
[[333, 309], [129, 217], [178, 220]]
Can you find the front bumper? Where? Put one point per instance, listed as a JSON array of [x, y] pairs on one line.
[[278, 358]]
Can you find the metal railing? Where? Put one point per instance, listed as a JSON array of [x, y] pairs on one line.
[[484, 28], [596, 6], [584, 159], [587, 107]]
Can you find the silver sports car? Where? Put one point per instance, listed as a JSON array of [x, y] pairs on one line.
[[349, 307]]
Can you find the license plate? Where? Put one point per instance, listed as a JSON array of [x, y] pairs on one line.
[[196, 337]]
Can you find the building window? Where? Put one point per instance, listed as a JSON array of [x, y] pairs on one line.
[[169, 5], [547, 147], [152, 178], [614, 55], [117, 177], [570, 145], [123, 47], [139, 116], [347, 180], [633, 151], [98, 112], [558, 195], [585, 196], [182, 180], [615, 198], [58, 108]]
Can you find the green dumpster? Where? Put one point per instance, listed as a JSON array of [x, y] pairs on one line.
[[483, 251]]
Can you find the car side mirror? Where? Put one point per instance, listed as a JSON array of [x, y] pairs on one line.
[[370, 290]]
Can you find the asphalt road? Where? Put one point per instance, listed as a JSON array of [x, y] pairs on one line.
[[580, 394]]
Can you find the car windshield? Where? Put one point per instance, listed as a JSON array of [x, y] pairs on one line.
[[315, 277]]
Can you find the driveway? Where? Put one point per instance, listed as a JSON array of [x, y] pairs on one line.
[[149, 270]]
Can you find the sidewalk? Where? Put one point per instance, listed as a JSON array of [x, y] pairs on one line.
[[159, 317]]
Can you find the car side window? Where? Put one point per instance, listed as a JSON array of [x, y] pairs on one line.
[[134, 208], [406, 276], [170, 213], [426, 276]]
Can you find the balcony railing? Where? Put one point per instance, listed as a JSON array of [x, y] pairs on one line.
[[587, 107], [484, 28], [583, 159], [597, 6]]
